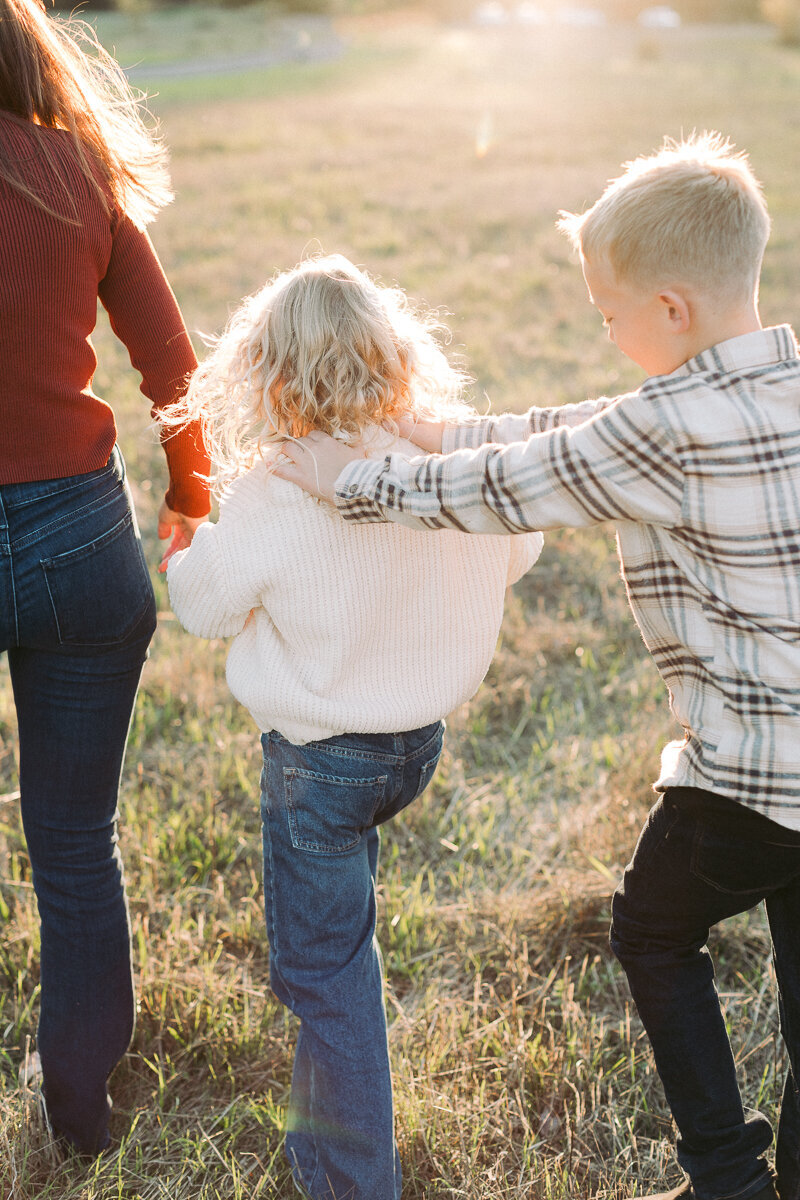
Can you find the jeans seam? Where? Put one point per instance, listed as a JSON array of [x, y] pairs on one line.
[[426, 746], [13, 593], [272, 924], [80, 482], [381, 756], [750, 1191], [6, 551], [672, 820], [302, 773], [378, 756], [96, 505], [312, 1106]]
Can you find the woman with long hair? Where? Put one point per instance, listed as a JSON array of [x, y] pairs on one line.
[[80, 176]]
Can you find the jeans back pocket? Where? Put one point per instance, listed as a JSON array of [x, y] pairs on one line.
[[100, 592], [327, 814], [743, 865]]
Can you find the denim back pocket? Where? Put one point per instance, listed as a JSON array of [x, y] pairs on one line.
[[100, 592], [743, 866], [327, 814]]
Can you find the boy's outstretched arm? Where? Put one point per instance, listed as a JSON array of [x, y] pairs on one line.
[[442, 437], [423, 433], [318, 460], [618, 466], [504, 428]]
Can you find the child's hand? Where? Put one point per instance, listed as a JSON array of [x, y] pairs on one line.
[[182, 529], [314, 463], [425, 434]]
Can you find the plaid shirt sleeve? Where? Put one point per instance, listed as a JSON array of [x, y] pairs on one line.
[[617, 466], [510, 427]]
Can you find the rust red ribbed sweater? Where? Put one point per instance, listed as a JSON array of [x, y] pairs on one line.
[[51, 274]]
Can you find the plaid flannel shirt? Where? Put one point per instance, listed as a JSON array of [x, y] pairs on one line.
[[700, 472]]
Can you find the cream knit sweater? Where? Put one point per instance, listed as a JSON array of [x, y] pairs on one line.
[[339, 627]]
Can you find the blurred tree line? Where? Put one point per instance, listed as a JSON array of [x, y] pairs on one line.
[[784, 14]]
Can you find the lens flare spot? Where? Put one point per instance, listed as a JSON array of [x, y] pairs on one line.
[[484, 136]]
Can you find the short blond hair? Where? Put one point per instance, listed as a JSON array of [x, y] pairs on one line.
[[693, 212], [320, 347]]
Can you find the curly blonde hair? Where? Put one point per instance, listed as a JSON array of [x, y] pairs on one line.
[[321, 347]]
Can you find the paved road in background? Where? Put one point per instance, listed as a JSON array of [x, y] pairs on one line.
[[291, 40]]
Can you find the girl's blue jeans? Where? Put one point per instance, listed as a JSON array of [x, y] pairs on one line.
[[321, 804], [701, 858], [76, 616]]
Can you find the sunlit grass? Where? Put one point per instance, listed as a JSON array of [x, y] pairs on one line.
[[438, 158]]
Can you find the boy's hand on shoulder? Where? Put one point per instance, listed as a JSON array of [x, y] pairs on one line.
[[425, 434], [314, 463]]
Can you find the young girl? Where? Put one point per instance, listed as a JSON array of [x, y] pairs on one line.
[[351, 643]]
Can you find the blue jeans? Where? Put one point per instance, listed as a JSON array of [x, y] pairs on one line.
[[320, 806], [76, 616], [700, 858]]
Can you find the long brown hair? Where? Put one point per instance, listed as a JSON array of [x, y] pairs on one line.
[[54, 74]]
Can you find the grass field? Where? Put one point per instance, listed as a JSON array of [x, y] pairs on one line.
[[437, 157]]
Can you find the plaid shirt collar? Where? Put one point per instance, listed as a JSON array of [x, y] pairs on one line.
[[761, 348]]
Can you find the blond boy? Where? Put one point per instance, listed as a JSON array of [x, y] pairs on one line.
[[700, 471]]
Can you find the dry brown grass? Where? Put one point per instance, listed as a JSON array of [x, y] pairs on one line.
[[521, 1070]]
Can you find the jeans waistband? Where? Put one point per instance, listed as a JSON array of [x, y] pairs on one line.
[[17, 495], [380, 747]]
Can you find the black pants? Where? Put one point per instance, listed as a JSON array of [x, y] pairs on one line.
[[700, 858]]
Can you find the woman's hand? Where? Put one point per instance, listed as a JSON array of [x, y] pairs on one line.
[[314, 463], [425, 434], [182, 529]]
